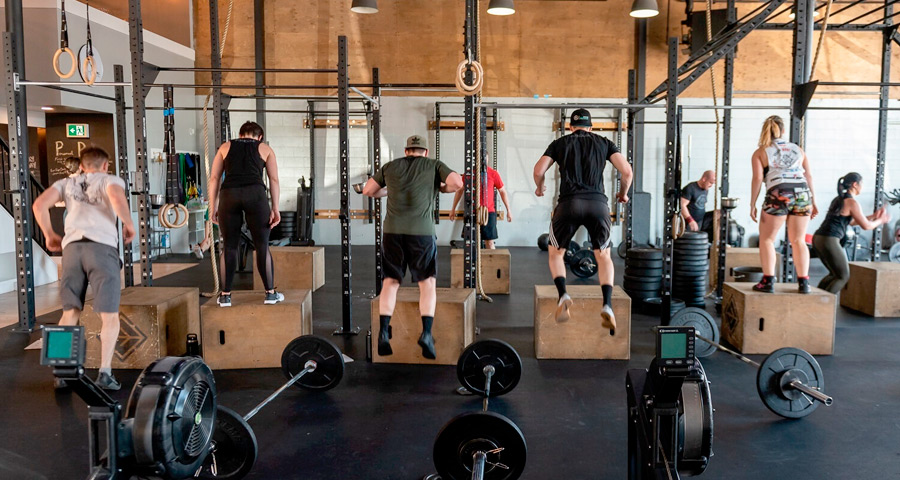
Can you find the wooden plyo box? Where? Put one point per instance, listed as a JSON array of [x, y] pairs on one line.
[[873, 289], [756, 322], [739, 257], [296, 268], [494, 270], [249, 334], [582, 337], [453, 328], [153, 322]]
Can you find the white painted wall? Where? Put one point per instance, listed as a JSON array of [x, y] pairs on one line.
[[45, 269], [838, 142]]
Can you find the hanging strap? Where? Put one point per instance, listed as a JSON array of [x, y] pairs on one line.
[[88, 65], [64, 46]]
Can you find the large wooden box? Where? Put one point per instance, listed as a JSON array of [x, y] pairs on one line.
[[494, 270], [453, 328], [583, 336], [739, 257], [153, 322], [874, 289], [296, 268], [756, 322], [249, 334]]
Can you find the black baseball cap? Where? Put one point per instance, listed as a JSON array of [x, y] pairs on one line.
[[581, 118]]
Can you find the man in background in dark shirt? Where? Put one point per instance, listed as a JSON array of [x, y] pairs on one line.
[[409, 242], [693, 204], [581, 157]]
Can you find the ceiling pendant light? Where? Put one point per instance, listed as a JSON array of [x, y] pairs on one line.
[[364, 6], [501, 7], [644, 9]]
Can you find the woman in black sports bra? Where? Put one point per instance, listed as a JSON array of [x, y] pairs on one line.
[[844, 211]]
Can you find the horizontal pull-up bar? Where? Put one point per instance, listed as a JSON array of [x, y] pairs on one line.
[[634, 106], [859, 84], [253, 110], [246, 70]]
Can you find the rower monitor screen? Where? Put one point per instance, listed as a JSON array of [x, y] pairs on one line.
[[673, 345], [59, 345], [62, 346]]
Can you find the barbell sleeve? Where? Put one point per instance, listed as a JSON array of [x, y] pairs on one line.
[[812, 392], [488, 374], [309, 367], [479, 462]]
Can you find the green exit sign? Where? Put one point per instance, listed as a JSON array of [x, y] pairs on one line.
[[78, 130]]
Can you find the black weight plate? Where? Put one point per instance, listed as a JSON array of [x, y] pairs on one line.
[[638, 264], [309, 348], [691, 250], [570, 252], [681, 257], [785, 401], [642, 280], [704, 326], [543, 241], [470, 432], [506, 361], [691, 235], [642, 294], [234, 450], [584, 264], [643, 272], [622, 250], [645, 254], [691, 271]]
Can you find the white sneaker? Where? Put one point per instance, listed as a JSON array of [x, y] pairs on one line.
[[273, 298], [608, 318], [195, 249], [562, 308]]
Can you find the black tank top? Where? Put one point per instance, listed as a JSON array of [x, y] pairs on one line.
[[243, 165], [834, 225]]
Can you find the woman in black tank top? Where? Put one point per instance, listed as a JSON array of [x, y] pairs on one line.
[[242, 197], [844, 211]]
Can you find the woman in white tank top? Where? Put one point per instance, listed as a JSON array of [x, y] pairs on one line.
[[789, 196]]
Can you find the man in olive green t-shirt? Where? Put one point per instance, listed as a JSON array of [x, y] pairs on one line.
[[413, 182]]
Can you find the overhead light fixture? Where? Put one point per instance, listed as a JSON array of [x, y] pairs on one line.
[[792, 16], [644, 9], [47, 109], [364, 6], [501, 7]]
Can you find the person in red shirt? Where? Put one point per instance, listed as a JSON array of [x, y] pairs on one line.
[[492, 180]]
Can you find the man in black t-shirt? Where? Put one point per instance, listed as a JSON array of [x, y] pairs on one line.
[[581, 157], [693, 203]]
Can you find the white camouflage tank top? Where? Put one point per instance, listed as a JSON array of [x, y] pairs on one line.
[[785, 164]]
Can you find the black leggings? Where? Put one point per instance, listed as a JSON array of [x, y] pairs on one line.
[[236, 204]]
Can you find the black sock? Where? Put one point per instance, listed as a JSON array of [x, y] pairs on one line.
[[426, 324], [385, 320], [607, 294], [560, 285]]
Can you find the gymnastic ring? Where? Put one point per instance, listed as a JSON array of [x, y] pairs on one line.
[[89, 61], [478, 74], [180, 220], [71, 55]]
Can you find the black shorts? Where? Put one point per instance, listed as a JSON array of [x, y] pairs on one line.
[[489, 231], [572, 213], [416, 252]]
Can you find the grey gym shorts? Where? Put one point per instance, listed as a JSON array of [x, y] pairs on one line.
[[86, 262]]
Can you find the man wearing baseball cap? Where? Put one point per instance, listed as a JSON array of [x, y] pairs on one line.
[[581, 157], [409, 242]]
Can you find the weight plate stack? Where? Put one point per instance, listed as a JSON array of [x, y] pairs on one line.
[[691, 268], [653, 306], [643, 274]]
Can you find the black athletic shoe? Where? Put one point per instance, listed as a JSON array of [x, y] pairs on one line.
[[384, 342], [60, 385], [426, 341], [272, 298], [224, 300], [764, 286], [803, 286], [108, 382]]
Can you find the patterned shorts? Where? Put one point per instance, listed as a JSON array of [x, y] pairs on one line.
[[787, 199]]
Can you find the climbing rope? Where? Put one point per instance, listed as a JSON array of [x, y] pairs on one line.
[[715, 99], [210, 234]]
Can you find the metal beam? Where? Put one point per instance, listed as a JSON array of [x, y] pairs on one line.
[[19, 174], [672, 178], [343, 80], [122, 168], [141, 174], [376, 165], [881, 155], [724, 182], [724, 42], [640, 86], [259, 46], [469, 251]]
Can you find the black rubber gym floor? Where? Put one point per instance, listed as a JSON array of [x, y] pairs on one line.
[[380, 422]]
